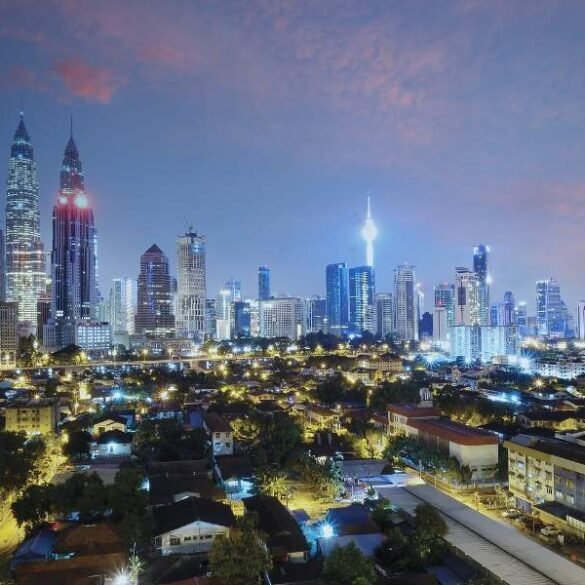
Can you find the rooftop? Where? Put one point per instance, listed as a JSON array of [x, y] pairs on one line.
[[551, 446], [216, 423], [189, 510], [414, 411], [455, 432]]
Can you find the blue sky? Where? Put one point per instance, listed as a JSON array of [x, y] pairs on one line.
[[265, 124]]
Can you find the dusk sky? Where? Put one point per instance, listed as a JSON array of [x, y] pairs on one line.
[[266, 123]]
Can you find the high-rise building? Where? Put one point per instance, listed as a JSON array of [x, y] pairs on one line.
[[8, 334], [445, 297], [154, 317], [2, 266], [263, 283], [337, 286], [43, 315], [581, 320], [281, 317], [235, 288], [384, 314], [316, 314], [191, 286], [441, 331], [480, 268], [551, 311], [121, 309], [242, 321], [467, 304], [210, 318], [425, 326], [405, 303], [361, 299], [73, 257], [509, 306], [223, 315], [25, 259], [369, 233]]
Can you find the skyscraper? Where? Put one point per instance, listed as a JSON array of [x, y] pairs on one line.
[[361, 299], [369, 233], [153, 311], [337, 287], [191, 286], [121, 308], [551, 311], [25, 260], [73, 257], [467, 295], [281, 317], [445, 297], [384, 314], [235, 288], [263, 283], [242, 320], [405, 303], [480, 268], [580, 321], [315, 314]]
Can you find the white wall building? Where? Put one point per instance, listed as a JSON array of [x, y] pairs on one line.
[[405, 303], [281, 317]]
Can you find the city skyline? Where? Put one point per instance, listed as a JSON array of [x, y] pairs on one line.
[[417, 192]]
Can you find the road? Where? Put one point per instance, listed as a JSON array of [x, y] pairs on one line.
[[508, 554]]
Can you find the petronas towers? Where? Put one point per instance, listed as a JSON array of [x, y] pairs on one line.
[[73, 286], [26, 278]]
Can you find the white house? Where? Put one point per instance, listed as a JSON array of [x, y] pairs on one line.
[[221, 434], [190, 525], [112, 444]]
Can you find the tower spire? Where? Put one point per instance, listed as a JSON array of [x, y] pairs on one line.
[[369, 233], [71, 126]]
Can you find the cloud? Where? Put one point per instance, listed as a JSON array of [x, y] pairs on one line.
[[86, 81]]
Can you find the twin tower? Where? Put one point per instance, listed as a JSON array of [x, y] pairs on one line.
[[72, 286]]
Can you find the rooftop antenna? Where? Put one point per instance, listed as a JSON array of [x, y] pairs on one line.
[[21, 105], [71, 125]]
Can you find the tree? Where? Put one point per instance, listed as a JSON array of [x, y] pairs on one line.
[[241, 557], [84, 494], [33, 506], [345, 565], [128, 501], [77, 445], [429, 530]]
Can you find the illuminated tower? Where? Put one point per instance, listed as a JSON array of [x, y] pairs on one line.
[[369, 233], [25, 262], [73, 259], [191, 286]]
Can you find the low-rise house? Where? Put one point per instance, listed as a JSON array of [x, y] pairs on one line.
[[220, 433], [324, 417], [112, 444], [234, 474], [555, 420], [110, 422], [80, 554], [190, 525], [285, 539], [164, 490]]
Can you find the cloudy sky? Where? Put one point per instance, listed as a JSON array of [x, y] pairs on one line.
[[265, 124]]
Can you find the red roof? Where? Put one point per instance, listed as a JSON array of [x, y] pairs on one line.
[[454, 432], [413, 411]]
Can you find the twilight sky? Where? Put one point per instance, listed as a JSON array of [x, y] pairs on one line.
[[266, 122]]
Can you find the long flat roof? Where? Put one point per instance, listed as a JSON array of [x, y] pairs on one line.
[[455, 432]]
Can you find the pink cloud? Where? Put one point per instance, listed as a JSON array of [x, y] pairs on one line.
[[83, 80]]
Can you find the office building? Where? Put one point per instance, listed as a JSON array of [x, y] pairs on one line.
[[8, 334], [43, 315], [263, 283], [384, 315], [441, 331], [480, 269], [94, 337], [2, 266], [445, 297], [580, 321], [467, 297], [223, 315], [405, 303], [242, 319], [315, 314], [361, 299], [121, 309], [337, 287], [465, 343], [551, 311], [235, 288], [425, 326], [191, 286], [154, 316], [23, 275], [281, 317], [210, 318], [73, 257]]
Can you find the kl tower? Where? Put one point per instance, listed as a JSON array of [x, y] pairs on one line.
[[369, 233]]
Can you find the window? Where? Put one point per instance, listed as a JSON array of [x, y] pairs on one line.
[[174, 541], [187, 538]]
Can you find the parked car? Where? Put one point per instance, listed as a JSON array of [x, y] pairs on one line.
[[512, 513], [549, 531]]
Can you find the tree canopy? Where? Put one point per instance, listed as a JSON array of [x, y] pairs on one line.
[[348, 566]]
